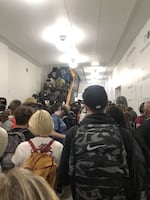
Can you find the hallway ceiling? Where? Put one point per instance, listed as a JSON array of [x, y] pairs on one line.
[[108, 27]]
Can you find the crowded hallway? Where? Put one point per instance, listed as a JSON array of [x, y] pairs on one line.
[[74, 100]]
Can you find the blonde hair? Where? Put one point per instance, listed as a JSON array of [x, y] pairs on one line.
[[30, 100], [41, 123], [21, 184]]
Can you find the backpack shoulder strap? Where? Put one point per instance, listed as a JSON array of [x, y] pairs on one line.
[[47, 147], [44, 150], [50, 143], [32, 146], [18, 133]]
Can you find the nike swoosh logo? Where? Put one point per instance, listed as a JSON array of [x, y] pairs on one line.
[[89, 148]]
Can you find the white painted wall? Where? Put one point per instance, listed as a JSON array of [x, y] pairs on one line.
[[133, 71], [19, 77], [3, 70]]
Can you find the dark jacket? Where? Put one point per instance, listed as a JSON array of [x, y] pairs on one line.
[[129, 143], [142, 136]]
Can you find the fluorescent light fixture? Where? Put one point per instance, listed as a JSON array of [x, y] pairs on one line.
[[95, 63]]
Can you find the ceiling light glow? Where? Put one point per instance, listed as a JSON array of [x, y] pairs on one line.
[[94, 76], [73, 64], [93, 81], [63, 32], [78, 57], [95, 63], [97, 69]]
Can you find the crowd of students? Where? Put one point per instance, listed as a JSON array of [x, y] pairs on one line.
[[99, 148]]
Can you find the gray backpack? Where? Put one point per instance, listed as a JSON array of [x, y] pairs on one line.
[[98, 162], [14, 139]]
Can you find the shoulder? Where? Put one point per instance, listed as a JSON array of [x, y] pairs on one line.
[[145, 127], [57, 144], [72, 131], [23, 145]]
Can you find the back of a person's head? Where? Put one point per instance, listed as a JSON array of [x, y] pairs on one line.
[[117, 115], [122, 107], [22, 115], [126, 113], [55, 107], [75, 107], [14, 104], [66, 110], [41, 123], [4, 116], [95, 98], [3, 140], [30, 100], [122, 100], [141, 108], [147, 109], [21, 184]]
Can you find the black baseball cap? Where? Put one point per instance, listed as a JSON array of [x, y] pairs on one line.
[[95, 97]]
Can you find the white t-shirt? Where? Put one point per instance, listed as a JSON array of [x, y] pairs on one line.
[[24, 150]]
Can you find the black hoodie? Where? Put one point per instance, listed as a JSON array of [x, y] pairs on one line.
[[130, 146]]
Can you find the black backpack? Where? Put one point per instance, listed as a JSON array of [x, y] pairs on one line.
[[14, 139], [98, 163]]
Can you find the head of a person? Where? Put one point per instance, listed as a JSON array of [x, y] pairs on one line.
[[75, 107], [122, 100], [21, 184], [4, 116], [56, 108], [147, 109], [32, 102], [141, 108], [125, 112], [122, 107], [65, 110], [3, 140], [117, 115], [23, 114], [14, 104], [3, 103], [95, 98], [41, 123]]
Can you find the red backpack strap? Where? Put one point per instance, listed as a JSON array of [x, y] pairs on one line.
[[50, 143], [47, 147], [32, 146]]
